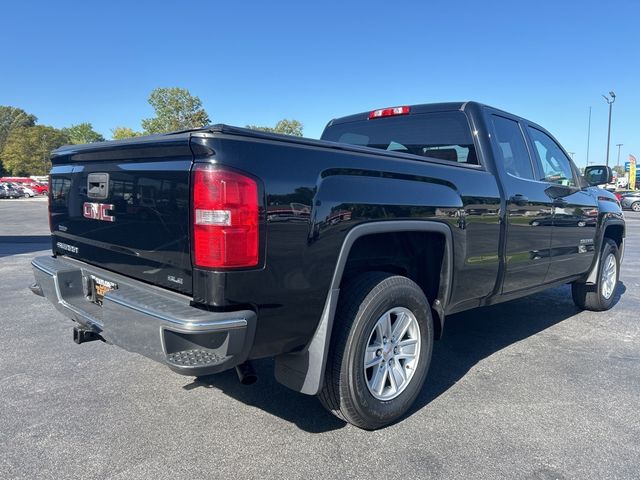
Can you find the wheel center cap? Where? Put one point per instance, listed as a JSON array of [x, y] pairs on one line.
[[387, 351]]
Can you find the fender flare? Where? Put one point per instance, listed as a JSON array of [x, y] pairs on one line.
[[304, 371]]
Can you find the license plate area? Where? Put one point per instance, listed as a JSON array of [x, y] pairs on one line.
[[98, 288]]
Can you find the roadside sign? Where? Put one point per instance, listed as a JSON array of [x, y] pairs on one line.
[[627, 166], [632, 172]]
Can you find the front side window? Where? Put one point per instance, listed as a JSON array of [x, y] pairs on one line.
[[513, 151], [554, 165]]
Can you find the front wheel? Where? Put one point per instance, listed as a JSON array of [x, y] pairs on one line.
[[600, 296], [380, 350], [635, 206]]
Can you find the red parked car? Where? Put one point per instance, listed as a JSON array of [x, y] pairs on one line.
[[39, 188]]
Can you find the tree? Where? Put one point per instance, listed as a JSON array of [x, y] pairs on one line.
[[119, 133], [289, 127], [176, 109], [82, 133], [27, 149], [11, 118], [284, 126]]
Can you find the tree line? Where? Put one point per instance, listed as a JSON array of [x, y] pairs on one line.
[[25, 145]]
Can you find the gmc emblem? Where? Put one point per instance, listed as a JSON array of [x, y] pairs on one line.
[[98, 211]]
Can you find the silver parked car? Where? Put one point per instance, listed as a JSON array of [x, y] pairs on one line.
[[631, 200]]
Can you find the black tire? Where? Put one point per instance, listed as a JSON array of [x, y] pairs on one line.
[[361, 304], [591, 297], [635, 206]]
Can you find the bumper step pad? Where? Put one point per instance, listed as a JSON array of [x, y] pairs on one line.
[[195, 358]]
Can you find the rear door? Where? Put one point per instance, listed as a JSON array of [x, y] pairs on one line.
[[574, 216], [529, 219]]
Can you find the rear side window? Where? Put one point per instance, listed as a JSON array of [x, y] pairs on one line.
[[441, 135], [512, 148]]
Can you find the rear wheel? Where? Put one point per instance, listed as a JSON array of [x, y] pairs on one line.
[[380, 350], [600, 296], [635, 206]]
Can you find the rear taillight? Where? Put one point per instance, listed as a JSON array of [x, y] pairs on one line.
[[225, 218], [389, 112]]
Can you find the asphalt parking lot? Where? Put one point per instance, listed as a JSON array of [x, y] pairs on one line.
[[530, 389]]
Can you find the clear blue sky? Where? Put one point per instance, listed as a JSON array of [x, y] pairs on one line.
[[257, 62]]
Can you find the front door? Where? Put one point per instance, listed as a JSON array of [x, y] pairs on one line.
[[574, 216]]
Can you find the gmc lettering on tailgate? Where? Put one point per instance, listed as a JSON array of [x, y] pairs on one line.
[[98, 211]]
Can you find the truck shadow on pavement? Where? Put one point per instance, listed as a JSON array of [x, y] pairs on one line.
[[267, 394], [469, 337], [17, 244]]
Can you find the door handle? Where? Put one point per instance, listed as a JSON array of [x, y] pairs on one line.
[[560, 202], [519, 199]]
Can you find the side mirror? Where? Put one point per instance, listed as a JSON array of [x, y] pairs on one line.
[[598, 175]]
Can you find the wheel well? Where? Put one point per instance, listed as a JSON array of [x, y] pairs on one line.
[[415, 255], [615, 233]]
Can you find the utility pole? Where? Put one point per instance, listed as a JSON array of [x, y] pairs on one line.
[[572, 154], [619, 145], [610, 102], [588, 136]]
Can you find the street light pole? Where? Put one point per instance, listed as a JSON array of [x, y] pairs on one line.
[[588, 136], [619, 145], [610, 102]]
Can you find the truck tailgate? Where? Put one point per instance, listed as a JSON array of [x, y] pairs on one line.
[[124, 206]]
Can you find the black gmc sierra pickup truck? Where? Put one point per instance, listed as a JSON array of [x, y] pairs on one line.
[[338, 257]]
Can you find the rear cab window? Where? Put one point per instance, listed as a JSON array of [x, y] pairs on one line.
[[441, 135]]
